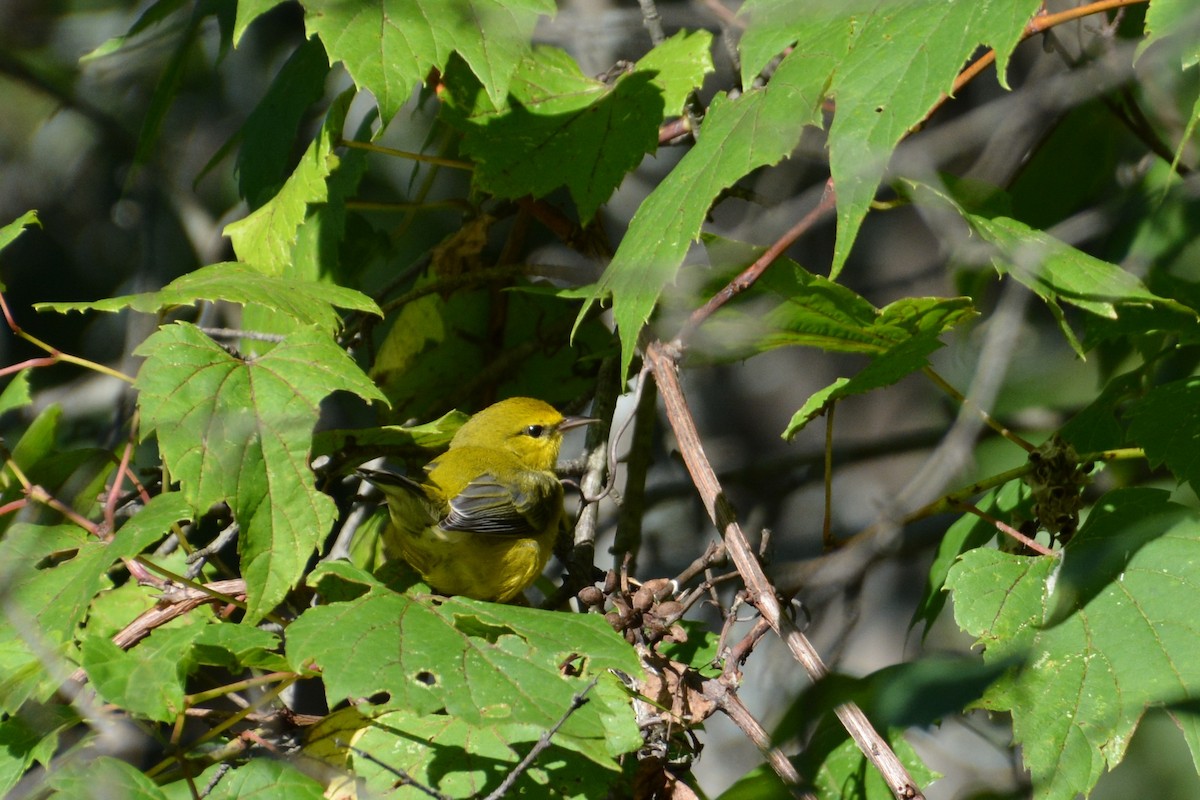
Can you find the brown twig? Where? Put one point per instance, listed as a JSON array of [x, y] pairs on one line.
[[713, 554], [760, 592], [182, 600], [725, 697], [746, 278]]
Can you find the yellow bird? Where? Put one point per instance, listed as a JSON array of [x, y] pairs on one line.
[[484, 521]]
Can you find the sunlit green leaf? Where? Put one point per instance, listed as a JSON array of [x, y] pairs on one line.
[[885, 62], [488, 665], [307, 302], [241, 434], [1106, 634], [389, 46]]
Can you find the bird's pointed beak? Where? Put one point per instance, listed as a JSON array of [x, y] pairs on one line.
[[575, 422]]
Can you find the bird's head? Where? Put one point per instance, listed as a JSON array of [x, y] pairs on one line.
[[527, 428]]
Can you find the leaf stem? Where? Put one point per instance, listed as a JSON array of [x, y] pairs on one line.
[[991, 422], [411, 156], [239, 686], [55, 355]]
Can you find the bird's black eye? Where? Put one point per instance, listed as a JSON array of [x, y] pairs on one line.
[[536, 431]]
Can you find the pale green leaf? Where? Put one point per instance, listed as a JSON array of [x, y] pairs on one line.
[[239, 431], [82, 778], [487, 665], [148, 680], [1111, 634], [967, 533], [464, 760], [307, 302], [678, 66], [16, 394], [57, 597], [816, 405]]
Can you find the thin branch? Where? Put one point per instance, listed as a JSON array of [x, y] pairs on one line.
[[653, 22], [197, 558], [759, 590], [752, 273], [1004, 527], [577, 702], [176, 602], [713, 554], [405, 778], [726, 698], [582, 559]]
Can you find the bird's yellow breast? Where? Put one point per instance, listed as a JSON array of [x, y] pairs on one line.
[[482, 566]]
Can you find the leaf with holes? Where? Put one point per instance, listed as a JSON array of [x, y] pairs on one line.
[[487, 665]]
